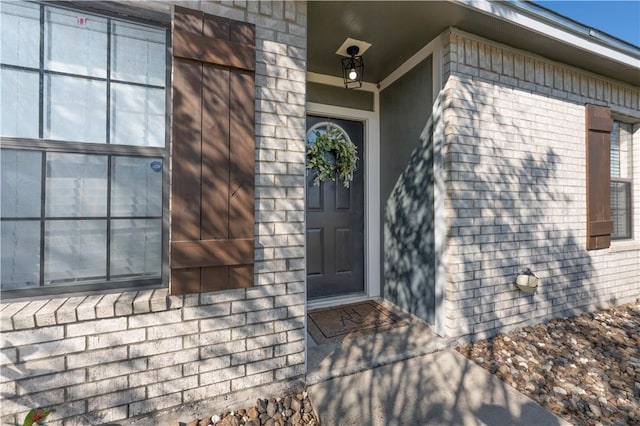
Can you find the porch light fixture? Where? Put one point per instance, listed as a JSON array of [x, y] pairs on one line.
[[527, 281], [352, 68]]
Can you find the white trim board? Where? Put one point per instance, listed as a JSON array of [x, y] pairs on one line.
[[331, 80], [372, 186], [430, 49], [333, 301]]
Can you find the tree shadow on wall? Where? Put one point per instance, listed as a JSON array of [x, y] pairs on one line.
[[508, 209], [408, 238], [512, 204]]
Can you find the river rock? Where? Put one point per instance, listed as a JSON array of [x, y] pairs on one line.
[[584, 368], [559, 390]]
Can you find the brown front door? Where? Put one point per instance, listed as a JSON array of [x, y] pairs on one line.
[[335, 225]]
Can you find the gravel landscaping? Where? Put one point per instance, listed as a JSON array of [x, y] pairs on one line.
[[586, 369], [291, 410]]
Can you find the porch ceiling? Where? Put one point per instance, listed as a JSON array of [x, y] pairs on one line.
[[398, 29]]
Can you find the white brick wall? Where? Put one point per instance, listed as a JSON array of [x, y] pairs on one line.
[[103, 358], [130, 364], [516, 195]]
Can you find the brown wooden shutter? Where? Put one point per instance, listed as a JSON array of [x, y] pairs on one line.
[[598, 131], [212, 192]]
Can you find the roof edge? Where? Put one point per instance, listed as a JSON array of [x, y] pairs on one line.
[[575, 26], [562, 29]]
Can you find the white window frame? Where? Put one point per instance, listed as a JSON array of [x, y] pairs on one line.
[[632, 243]]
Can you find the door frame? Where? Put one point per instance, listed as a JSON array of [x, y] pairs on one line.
[[371, 142]]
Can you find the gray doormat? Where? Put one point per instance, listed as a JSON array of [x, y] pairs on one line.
[[332, 325]]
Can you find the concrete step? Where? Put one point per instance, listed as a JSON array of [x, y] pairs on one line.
[[369, 351]]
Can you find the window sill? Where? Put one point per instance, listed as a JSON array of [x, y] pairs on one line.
[[58, 311], [624, 245]]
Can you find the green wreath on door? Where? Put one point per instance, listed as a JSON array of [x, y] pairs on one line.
[[330, 155]]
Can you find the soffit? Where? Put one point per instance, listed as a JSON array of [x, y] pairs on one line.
[[397, 30]]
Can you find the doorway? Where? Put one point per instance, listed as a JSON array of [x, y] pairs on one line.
[[335, 223]]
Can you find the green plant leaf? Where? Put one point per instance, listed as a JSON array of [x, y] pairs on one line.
[[34, 416], [28, 420]]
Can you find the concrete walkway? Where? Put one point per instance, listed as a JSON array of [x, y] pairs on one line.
[[410, 376], [442, 388]]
